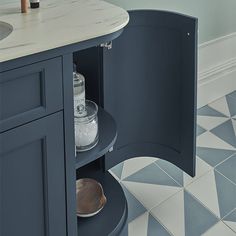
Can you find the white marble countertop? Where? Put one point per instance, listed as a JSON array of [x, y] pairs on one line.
[[57, 23]]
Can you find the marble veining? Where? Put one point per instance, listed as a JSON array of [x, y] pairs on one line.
[[57, 23]]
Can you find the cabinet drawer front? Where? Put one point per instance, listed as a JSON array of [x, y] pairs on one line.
[[30, 92], [32, 189]]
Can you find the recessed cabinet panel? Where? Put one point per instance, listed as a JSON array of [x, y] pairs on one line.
[[32, 199], [30, 92], [150, 88]]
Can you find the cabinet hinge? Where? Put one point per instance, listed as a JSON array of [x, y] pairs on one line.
[[107, 45]]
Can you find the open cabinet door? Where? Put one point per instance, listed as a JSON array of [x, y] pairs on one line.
[[149, 85]]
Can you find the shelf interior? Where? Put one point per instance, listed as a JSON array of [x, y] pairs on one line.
[[107, 136], [112, 219]]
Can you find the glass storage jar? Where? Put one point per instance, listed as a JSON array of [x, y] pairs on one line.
[[86, 126]]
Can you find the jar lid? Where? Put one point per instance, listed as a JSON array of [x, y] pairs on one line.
[[88, 113]]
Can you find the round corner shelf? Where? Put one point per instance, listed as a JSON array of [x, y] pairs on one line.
[[107, 137], [113, 217]]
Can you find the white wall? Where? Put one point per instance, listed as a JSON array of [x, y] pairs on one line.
[[216, 69]]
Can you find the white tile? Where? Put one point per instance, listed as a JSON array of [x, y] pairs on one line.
[[231, 224], [221, 105], [150, 195], [210, 122], [210, 140], [135, 164], [205, 190], [139, 226], [219, 229], [171, 214]]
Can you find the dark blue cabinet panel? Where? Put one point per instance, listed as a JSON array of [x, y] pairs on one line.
[[30, 92], [149, 83], [32, 179]]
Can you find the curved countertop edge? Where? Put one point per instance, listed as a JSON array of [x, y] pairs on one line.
[[45, 28]]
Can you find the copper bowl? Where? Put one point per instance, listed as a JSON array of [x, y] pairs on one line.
[[90, 197]]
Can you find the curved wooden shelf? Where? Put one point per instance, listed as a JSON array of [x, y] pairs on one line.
[[107, 137], [112, 219]]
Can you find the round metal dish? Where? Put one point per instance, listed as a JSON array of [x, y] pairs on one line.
[[90, 197]]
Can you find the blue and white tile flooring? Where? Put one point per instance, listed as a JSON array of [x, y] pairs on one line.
[[163, 200]]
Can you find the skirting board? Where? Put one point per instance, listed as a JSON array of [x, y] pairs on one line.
[[216, 69]]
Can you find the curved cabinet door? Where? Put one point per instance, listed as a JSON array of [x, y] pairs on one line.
[[150, 88], [32, 181]]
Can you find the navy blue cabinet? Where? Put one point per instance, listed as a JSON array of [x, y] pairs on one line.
[[32, 199], [149, 86]]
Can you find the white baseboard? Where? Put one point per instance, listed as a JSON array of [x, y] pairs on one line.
[[216, 69]]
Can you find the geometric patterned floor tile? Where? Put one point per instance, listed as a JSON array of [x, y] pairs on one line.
[[213, 156], [226, 132], [152, 174], [138, 227], [209, 111], [180, 176], [219, 229], [135, 164], [200, 130], [210, 122], [155, 228], [231, 101], [117, 170], [221, 106], [228, 168], [216, 192], [230, 220], [150, 195], [210, 140], [233, 94], [135, 208], [183, 215], [146, 225]]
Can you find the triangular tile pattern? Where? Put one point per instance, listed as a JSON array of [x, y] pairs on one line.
[[180, 204], [152, 174], [213, 156], [226, 132], [231, 105], [146, 225], [228, 169], [200, 130], [210, 140], [135, 164], [183, 215], [135, 208], [180, 176], [216, 192], [221, 106], [155, 228], [219, 229], [230, 220], [150, 195], [139, 226]]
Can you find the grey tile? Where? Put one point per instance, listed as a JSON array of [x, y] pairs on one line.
[[228, 168], [155, 228], [200, 130], [233, 94], [226, 192], [198, 219], [213, 156], [152, 174], [231, 104], [208, 111], [117, 170], [135, 208], [231, 216], [226, 132], [175, 172]]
